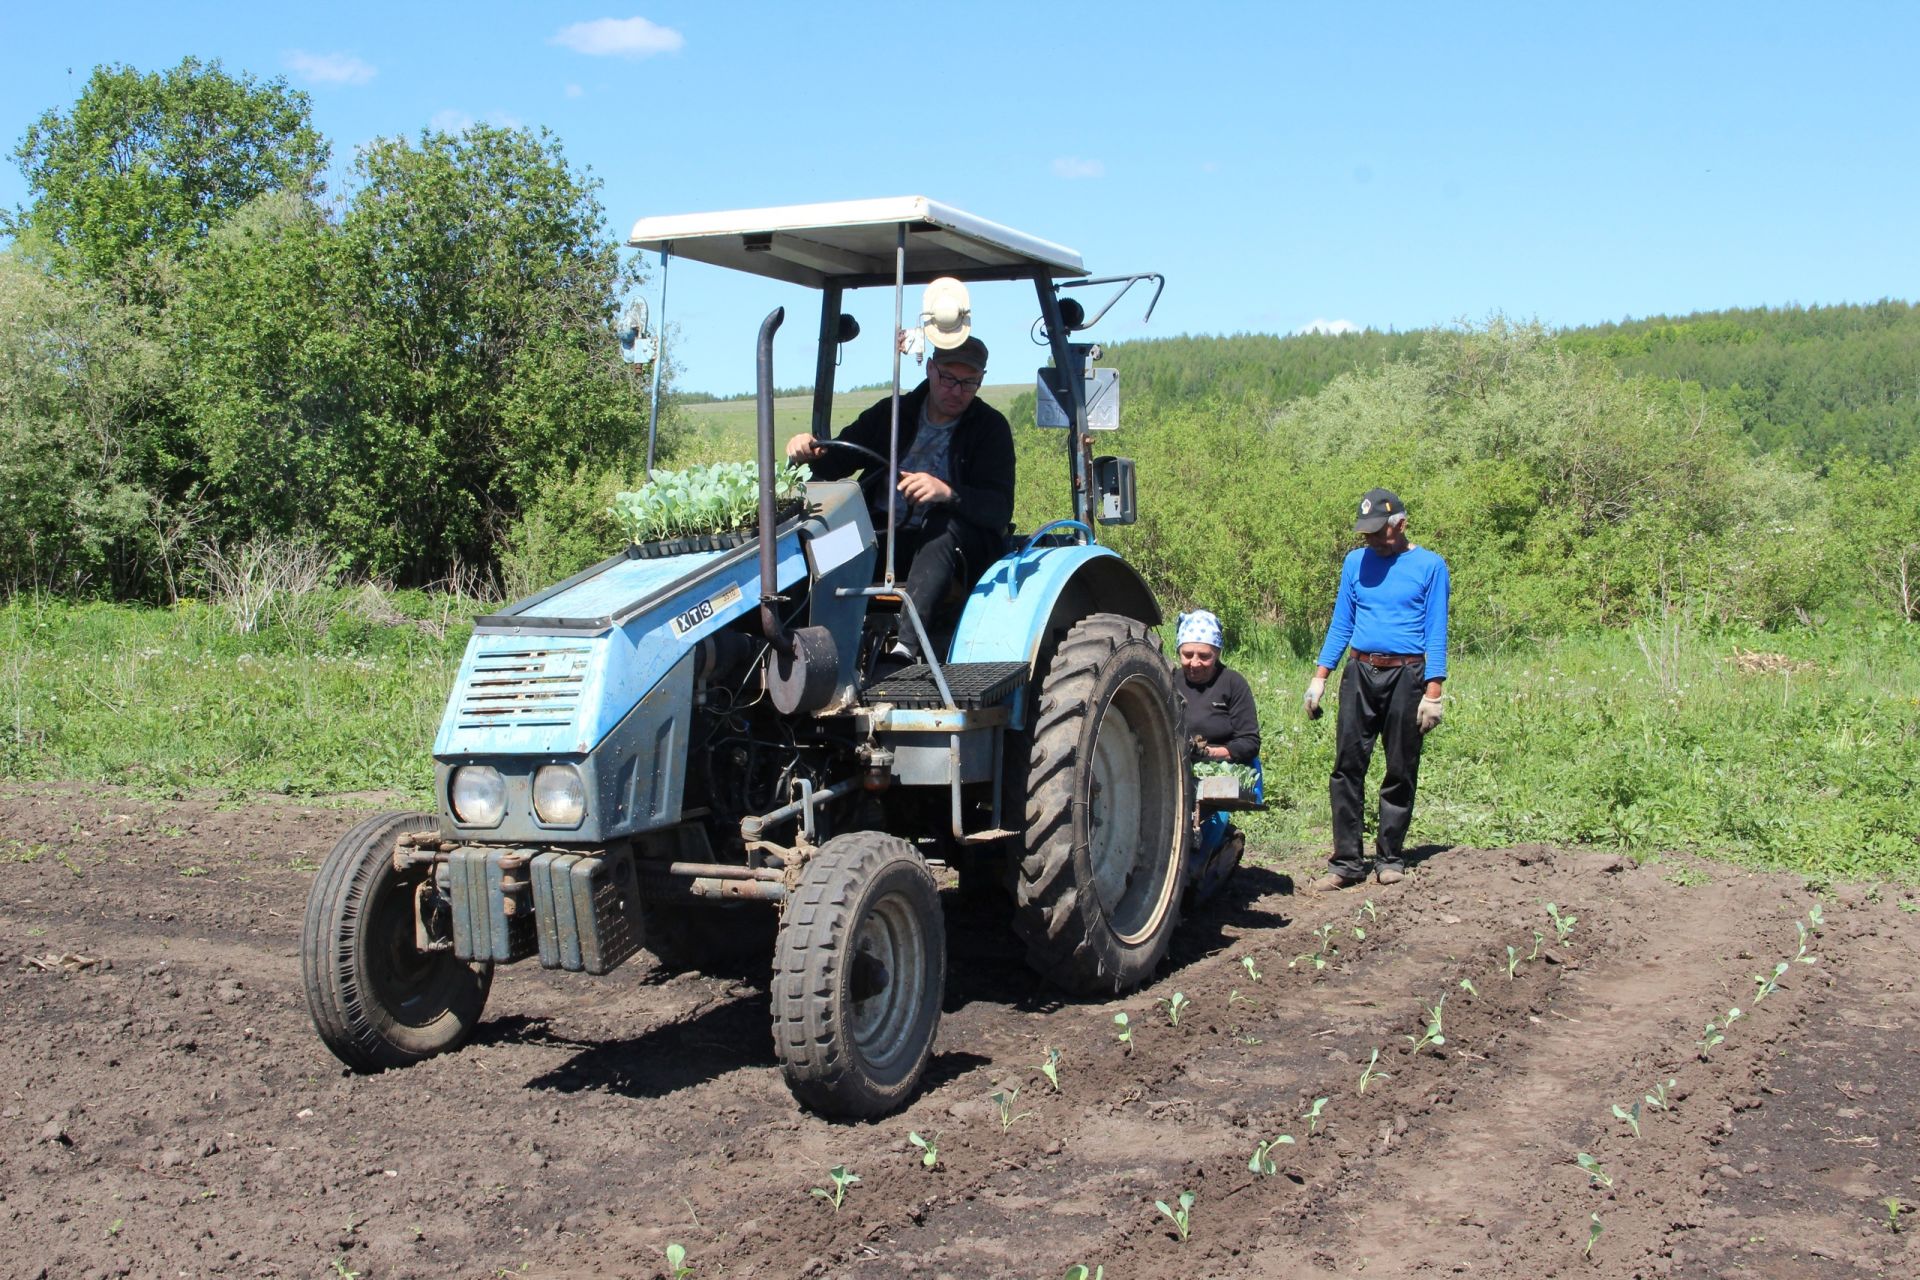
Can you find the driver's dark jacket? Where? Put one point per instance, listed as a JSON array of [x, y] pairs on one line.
[[982, 457]]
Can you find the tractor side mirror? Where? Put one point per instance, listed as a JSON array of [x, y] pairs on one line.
[[1113, 490], [849, 329]]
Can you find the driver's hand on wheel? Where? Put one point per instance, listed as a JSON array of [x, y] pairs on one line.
[[804, 448], [924, 486]]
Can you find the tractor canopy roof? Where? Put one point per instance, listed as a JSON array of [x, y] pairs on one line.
[[851, 243]]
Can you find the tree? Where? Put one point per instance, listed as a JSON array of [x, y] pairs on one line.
[[144, 165]]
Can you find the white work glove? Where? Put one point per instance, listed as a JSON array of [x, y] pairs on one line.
[[1315, 687], [1429, 714]]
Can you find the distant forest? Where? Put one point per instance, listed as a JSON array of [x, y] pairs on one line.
[[1811, 380]]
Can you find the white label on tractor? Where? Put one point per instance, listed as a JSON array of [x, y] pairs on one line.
[[834, 548], [704, 610]]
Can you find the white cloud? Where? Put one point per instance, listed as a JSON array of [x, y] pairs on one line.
[[621, 37], [450, 120], [575, 91], [1075, 167], [329, 68], [1328, 326]]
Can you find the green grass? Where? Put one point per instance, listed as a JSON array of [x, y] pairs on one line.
[[1589, 741], [722, 431], [1579, 741]]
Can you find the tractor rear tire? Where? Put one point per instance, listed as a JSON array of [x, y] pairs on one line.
[[377, 1000], [1107, 794], [858, 976]]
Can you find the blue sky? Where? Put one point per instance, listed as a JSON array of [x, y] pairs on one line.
[[1394, 165]]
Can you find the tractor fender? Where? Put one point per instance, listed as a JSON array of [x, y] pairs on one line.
[[1027, 597]]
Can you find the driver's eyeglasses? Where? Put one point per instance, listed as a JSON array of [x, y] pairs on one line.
[[956, 384]]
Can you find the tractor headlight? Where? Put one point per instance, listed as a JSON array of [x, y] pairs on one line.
[[479, 795], [559, 796]]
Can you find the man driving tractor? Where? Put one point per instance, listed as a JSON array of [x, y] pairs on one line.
[[955, 488]]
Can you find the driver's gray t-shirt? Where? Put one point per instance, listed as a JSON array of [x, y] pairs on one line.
[[932, 452]]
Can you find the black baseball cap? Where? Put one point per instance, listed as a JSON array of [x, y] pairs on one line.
[[1375, 508], [971, 352]]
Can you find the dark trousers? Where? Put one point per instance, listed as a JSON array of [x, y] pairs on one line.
[[1384, 705], [935, 558]]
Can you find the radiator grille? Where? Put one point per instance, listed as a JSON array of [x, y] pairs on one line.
[[524, 688]]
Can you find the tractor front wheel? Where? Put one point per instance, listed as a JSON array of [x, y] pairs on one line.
[[858, 975], [377, 1000], [1107, 794]]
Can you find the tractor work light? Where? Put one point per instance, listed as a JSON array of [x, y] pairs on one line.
[[559, 796], [479, 795]]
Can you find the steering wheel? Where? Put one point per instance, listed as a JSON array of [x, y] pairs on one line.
[[857, 448]]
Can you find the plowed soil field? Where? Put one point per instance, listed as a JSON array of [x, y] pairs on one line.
[[166, 1109]]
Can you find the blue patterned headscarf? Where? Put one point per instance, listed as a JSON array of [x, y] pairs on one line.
[[1201, 627]]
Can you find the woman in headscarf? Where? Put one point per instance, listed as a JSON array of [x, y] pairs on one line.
[[1223, 726]]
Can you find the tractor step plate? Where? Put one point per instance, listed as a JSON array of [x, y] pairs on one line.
[[974, 685]]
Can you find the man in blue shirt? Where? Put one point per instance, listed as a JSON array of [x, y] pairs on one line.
[[1392, 610]]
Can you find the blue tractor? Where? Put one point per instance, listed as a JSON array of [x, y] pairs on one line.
[[689, 750]]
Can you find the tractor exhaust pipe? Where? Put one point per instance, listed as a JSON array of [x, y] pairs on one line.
[[769, 585]]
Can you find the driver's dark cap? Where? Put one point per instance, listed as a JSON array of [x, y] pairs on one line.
[[971, 352], [1375, 508]]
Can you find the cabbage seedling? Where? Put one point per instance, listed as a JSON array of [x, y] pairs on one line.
[[1125, 1034], [841, 1181], [1594, 1171], [1372, 1072], [1078, 1272], [1513, 961], [1432, 1034], [1183, 1216], [1005, 1100], [1816, 915], [1658, 1098], [1051, 1069], [1768, 985], [1802, 955], [1372, 912], [1894, 1210], [1562, 925], [929, 1153], [1246, 962], [1631, 1117], [1312, 1116], [1175, 1003], [1262, 1162], [677, 1268], [1326, 951], [1593, 1232], [1466, 985], [1538, 938]]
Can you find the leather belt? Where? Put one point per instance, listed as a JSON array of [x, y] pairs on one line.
[[1383, 661]]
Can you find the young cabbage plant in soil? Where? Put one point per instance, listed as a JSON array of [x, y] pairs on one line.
[[1804, 956], [1631, 1117], [1594, 1171], [1593, 1232], [1716, 1031], [1466, 985], [1658, 1098], [929, 1153], [677, 1268], [1312, 1116], [841, 1180], [1004, 1100], [1125, 1034], [1894, 1209], [1183, 1216], [1513, 961], [1175, 1003], [1246, 962], [1326, 952], [1051, 1069], [1562, 925], [1766, 985], [1372, 1072], [1078, 1272], [1262, 1162], [1538, 938], [1432, 1034]]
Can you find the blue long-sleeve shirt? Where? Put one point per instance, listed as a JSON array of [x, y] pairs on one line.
[[1391, 604]]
